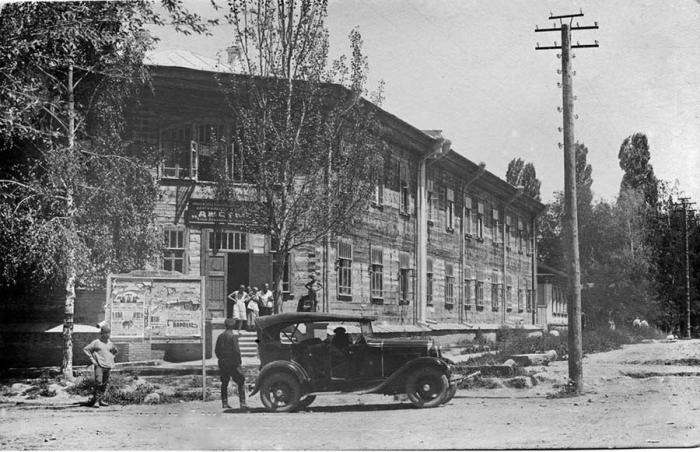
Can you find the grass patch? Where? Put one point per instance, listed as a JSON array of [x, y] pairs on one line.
[[516, 341]]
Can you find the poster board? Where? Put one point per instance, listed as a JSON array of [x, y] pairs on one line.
[[151, 305]]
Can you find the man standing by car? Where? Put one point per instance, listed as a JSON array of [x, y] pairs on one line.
[[229, 355], [101, 353]]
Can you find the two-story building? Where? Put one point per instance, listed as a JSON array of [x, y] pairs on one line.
[[443, 243]]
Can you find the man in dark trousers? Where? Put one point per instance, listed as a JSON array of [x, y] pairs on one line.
[[229, 355]]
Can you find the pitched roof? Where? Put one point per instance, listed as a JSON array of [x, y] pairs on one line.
[[186, 59]]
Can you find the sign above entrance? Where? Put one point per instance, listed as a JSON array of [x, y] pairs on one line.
[[203, 211]]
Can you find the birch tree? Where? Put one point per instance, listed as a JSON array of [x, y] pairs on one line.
[[77, 198]]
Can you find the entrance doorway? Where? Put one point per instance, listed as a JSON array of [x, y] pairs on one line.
[[237, 273]]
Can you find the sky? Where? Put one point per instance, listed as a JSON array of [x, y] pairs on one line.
[[470, 69]]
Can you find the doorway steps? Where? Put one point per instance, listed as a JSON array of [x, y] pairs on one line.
[[247, 344]]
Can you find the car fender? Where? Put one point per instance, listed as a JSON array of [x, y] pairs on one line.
[[402, 371], [291, 367]]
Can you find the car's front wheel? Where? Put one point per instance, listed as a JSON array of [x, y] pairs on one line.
[[426, 387], [280, 392]]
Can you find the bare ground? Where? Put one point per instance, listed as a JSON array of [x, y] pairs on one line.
[[644, 395]]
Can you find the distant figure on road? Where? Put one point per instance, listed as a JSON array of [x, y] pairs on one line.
[[645, 324], [229, 354], [611, 324], [101, 353], [636, 322]]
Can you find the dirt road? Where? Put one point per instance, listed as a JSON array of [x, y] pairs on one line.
[[645, 395]]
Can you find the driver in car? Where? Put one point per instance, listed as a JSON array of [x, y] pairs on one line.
[[340, 339]]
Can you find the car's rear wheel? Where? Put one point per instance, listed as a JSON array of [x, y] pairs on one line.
[[450, 393], [305, 402], [426, 387], [280, 392]]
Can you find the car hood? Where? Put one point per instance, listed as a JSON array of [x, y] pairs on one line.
[[402, 343]]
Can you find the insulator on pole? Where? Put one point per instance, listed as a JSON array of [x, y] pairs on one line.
[[560, 145]]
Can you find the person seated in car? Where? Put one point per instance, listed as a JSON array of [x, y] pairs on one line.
[[340, 340]]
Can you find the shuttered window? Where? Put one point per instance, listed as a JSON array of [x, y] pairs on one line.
[[479, 220], [467, 218], [344, 269], [480, 277], [405, 279], [496, 291], [377, 274], [429, 282], [404, 198], [496, 226], [449, 286], [450, 212]]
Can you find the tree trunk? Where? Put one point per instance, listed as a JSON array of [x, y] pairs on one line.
[[68, 316], [278, 262], [71, 272]]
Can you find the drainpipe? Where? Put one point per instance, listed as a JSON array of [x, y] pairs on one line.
[[534, 270], [519, 190], [479, 172], [440, 148]]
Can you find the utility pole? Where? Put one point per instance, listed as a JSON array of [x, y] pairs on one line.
[[686, 202], [570, 209]]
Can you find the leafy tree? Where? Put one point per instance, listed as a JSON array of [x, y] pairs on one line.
[[523, 174], [309, 145], [634, 159], [77, 199]]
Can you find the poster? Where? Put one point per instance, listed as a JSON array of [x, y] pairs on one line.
[[143, 307]]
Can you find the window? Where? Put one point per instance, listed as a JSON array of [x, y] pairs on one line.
[[521, 298], [469, 288], [509, 293], [530, 300], [496, 290], [520, 235], [506, 233], [211, 141], [287, 277], [174, 249], [376, 274], [449, 286], [429, 283], [193, 151], [228, 241], [405, 283], [467, 221], [403, 189], [496, 226], [431, 203], [480, 290], [378, 192], [344, 269], [450, 195], [176, 146], [480, 221]]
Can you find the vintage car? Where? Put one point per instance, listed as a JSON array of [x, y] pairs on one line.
[[305, 354]]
